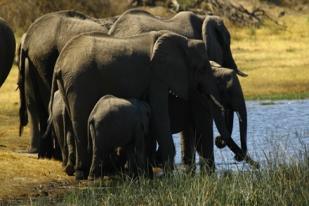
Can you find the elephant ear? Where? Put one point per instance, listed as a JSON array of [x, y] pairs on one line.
[[217, 38], [169, 63], [224, 76]]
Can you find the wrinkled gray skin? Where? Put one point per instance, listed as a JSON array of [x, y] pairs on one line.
[[59, 129], [63, 133], [38, 52], [211, 29], [217, 39], [7, 50], [151, 66], [233, 101], [116, 122]]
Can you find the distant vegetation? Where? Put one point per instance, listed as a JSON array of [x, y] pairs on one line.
[[21, 13]]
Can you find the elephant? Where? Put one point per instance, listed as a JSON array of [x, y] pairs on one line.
[[62, 132], [59, 132], [7, 50], [216, 37], [116, 122], [232, 99], [38, 52], [209, 28], [153, 65]]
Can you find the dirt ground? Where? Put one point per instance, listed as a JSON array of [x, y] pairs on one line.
[[24, 177]]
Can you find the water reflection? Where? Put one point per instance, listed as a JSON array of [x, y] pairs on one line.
[[275, 129]]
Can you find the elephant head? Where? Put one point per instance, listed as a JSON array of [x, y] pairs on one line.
[[7, 50], [182, 64], [218, 40], [233, 101]]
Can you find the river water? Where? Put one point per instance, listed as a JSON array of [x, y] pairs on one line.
[[276, 130]]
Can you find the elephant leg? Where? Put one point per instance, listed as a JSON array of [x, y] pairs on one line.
[[82, 156], [33, 112], [204, 136], [160, 123], [139, 151], [205, 147], [70, 149], [34, 130], [188, 148], [94, 168]]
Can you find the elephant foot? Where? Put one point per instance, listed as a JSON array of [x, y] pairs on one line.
[[220, 143], [207, 167], [69, 169], [189, 169], [33, 150], [251, 162], [91, 177], [80, 175]]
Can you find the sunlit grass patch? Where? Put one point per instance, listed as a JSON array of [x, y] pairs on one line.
[[275, 184], [276, 59], [22, 174]]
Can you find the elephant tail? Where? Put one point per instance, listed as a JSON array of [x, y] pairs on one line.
[[23, 116], [51, 101]]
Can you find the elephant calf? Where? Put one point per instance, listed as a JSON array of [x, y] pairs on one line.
[[116, 122]]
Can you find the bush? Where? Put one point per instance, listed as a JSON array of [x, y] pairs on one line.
[[21, 13]]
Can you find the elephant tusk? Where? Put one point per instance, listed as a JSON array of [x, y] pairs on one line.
[[216, 102], [239, 117], [241, 73]]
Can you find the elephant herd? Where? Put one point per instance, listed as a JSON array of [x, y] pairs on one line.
[[102, 94]]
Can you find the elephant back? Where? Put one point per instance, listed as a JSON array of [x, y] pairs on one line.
[[7, 49]]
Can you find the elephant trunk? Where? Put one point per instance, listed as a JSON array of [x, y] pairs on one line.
[[219, 119], [242, 116], [229, 119]]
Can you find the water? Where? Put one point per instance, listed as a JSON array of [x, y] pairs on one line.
[[277, 129]]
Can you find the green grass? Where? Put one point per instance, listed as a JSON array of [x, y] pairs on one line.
[[274, 185]]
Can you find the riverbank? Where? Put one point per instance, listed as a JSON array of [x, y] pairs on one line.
[[276, 61], [277, 184]]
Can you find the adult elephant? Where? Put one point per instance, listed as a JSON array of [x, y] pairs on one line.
[[199, 134], [38, 52], [209, 28], [7, 50], [217, 40], [151, 66]]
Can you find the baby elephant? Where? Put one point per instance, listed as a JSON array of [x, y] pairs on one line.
[[114, 123]]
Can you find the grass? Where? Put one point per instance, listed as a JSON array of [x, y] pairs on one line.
[[276, 61], [275, 185], [21, 174]]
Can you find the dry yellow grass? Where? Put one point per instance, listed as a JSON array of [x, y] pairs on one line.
[[276, 60], [21, 174]]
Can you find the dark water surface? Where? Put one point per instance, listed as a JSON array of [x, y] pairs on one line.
[[278, 129]]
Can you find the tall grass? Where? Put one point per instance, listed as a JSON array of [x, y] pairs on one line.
[[275, 184]]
